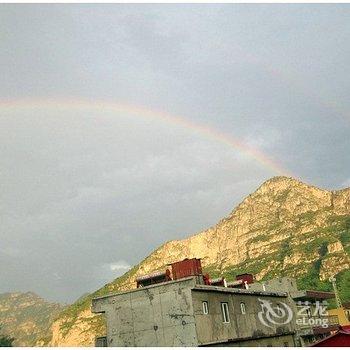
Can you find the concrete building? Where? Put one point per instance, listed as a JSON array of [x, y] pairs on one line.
[[183, 307], [186, 312]]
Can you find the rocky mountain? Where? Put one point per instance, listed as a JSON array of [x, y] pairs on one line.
[[27, 317], [284, 228]]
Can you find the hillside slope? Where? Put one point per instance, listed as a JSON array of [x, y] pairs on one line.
[[284, 228], [26, 317]]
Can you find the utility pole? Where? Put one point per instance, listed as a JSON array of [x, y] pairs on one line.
[[337, 298]]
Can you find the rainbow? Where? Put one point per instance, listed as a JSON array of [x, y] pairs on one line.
[[141, 112]]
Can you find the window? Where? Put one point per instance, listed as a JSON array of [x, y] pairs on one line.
[[224, 311], [205, 307], [101, 342], [243, 309]]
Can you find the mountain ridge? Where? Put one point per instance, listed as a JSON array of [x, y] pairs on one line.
[[285, 227], [26, 316]]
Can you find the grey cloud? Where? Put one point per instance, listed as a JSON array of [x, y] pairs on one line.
[[84, 189]]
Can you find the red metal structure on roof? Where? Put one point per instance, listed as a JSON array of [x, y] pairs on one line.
[[186, 268], [339, 339], [193, 267], [180, 269], [246, 278]]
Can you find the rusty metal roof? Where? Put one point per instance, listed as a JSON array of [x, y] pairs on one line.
[[312, 295]]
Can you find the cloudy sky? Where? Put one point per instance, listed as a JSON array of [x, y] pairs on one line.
[[124, 126]]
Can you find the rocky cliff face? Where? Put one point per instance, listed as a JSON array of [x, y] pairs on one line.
[[284, 228], [26, 317]]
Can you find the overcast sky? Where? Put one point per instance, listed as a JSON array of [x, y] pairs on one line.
[[87, 192]]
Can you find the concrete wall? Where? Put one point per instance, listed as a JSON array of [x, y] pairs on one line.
[[159, 315], [211, 328], [171, 314]]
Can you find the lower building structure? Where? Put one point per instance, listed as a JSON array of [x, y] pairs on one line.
[[188, 312], [183, 307], [341, 338]]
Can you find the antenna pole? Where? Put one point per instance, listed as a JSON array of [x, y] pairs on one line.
[[337, 298]]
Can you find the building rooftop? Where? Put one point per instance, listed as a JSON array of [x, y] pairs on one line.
[[311, 295], [237, 290], [200, 287], [146, 287]]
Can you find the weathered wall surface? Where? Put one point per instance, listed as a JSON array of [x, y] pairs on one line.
[[211, 328], [154, 316]]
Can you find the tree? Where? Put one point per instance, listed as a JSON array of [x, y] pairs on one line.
[[5, 340]]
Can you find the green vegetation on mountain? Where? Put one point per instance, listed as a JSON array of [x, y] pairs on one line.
[[5, 340], [26, 317], [284, 228]]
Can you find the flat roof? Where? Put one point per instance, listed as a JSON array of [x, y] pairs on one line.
[[145, 287], [202, 287]]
